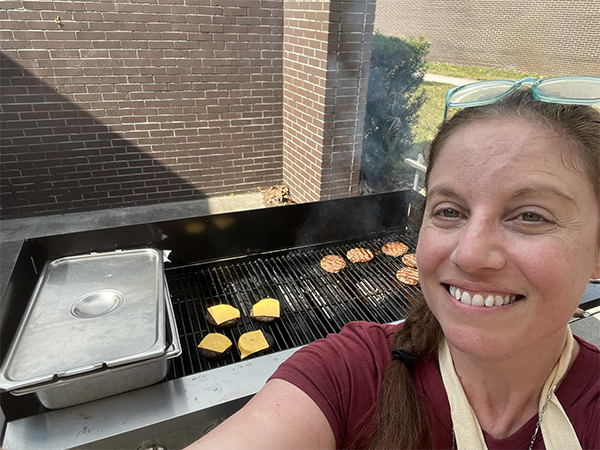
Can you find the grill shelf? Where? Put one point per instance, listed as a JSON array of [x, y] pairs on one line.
[[313, 302]]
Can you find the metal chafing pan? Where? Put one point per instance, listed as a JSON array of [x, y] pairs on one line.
[[89, 314], [109, 381]]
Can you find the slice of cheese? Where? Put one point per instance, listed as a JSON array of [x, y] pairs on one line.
[[268, 307], [252, 342], [223, 313], [215, 342]]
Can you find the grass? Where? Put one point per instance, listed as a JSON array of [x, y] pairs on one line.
[[432, 111], [477, 73]]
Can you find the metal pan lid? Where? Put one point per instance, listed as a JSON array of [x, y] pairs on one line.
[[88, 312], [173, 350]]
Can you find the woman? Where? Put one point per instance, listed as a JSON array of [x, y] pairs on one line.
[[509, 239]]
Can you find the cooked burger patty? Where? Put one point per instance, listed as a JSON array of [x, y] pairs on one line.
[[213, 354], [359, 255], [410, 260], [270, 342], [229, 323], [408, 275], [394, 248], [333, 263], [264, 319]]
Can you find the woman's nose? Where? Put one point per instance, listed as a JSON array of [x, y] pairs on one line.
[[479, 246]]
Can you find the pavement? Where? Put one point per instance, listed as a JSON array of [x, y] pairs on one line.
[[447, 80]]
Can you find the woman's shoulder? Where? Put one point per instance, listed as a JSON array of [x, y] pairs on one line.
[[584, 375], [582, 383], [588, 361], [579, 394], [362, 346], [370, 332], [366, 341], [342, 373]]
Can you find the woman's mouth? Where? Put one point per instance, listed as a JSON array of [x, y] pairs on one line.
[[488, 299]]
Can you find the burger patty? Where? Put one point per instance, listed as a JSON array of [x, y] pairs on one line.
[[410, 260], [270, 342], [213, 354], [394, 248], [359, 255], [333, 263], [263, 319], [408, 275]]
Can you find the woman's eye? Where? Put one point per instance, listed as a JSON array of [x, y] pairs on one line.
[[531, 217], [450, 213]]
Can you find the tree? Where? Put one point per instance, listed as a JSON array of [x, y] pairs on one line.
[[393, 103]]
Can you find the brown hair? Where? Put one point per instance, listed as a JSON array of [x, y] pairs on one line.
[[402, 421]]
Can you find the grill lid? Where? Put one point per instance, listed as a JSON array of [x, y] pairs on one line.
[[88, 312]]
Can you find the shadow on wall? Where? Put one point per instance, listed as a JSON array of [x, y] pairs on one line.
[[57, 157]]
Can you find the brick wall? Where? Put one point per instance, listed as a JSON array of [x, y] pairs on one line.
[[122, 103], [549, 37], [326, 62]]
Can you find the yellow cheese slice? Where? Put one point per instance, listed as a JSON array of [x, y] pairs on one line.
[[252, 342], [216, 342], [223, 313], [268, 307]]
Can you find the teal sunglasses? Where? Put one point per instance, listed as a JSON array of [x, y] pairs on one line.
[[570, 90]]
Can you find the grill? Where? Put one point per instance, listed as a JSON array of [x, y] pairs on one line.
[[313, 302], [237, 259]]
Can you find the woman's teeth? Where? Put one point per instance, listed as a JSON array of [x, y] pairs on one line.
[[480, 300]]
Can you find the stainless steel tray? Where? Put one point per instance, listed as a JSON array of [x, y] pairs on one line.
[[87, 387], [89, 312]]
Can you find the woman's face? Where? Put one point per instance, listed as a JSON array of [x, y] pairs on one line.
[[507, 221]]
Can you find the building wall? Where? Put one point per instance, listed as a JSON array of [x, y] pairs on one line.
[[305, 77], [123, 103], [548, 37], [327, 53]]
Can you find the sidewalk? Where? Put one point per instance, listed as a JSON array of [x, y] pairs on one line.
[[447, 80]]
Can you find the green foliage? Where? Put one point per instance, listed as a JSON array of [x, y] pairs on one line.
[[393, 103]]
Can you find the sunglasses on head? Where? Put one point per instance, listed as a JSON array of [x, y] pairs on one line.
[[573, 90]]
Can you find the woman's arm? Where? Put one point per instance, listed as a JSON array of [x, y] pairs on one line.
[[280, 416]]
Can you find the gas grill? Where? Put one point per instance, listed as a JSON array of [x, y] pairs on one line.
[[236, 259], [313, 302]]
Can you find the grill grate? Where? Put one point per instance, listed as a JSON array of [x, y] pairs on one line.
[[313, 302]]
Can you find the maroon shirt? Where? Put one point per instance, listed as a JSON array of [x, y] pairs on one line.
[[343, 373]]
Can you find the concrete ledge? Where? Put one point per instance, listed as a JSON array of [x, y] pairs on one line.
[[18, 229]]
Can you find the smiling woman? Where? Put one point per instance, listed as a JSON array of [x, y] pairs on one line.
[[509, 239]]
